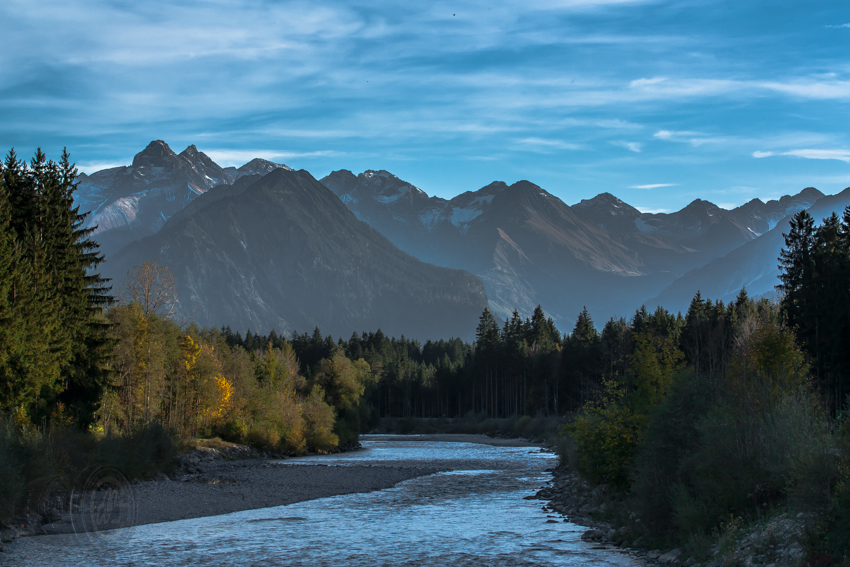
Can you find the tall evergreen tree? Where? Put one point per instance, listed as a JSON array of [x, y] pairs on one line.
[[63, 297]]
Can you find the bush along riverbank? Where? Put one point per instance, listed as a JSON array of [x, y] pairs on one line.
[[714, 449], [778, 541]]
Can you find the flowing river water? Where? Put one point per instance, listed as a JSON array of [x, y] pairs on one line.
[[475, 514]]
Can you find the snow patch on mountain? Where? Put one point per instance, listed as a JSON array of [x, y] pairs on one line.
[[430, 218], [464, 216], [644, 226], [387, 199]]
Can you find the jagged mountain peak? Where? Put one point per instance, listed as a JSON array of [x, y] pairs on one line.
[[341, 174], [260, 166], [382, 173], [191, 151], [494, 187], [379, 186], [808, 192], [609, 204], [389, 185], [700, 205], [525, 185], [156, 154]]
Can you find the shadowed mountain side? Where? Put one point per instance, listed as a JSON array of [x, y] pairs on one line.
[[217, 193], [286, 254], [530, 248], [755, 265], [526, 245]]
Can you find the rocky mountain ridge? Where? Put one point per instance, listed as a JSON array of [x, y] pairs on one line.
[[530, 248], [131, 202]]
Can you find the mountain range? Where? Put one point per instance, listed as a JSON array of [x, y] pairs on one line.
[[530, 248], [282, 252], [263, 246]]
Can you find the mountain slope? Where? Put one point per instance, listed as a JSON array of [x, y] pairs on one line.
[[754, 265], [528, 247], [284, 253]]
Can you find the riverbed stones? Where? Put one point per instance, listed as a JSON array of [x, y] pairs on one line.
[[670, 556], [593, 535]]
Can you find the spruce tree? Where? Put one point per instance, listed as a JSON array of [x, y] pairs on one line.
[[66, 345]]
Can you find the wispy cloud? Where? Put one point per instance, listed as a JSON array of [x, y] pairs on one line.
[[652, 186], [673, 135], [652, 211], [693, 138], [645, 82], [240, 157], [847, 25], [542, 144], [840, 155], [631, 146], [90, 167], [619, 124]]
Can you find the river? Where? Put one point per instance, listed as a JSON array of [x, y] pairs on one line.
[[475, 514]]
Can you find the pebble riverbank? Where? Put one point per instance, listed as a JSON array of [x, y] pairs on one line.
[[213, 481]]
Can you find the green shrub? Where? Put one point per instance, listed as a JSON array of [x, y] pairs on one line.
[[671, 435], [606, 440], [234, 430], [264, 436], [521, 425]]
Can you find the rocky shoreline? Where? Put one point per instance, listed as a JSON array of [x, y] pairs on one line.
[[775, 542], [231, 478]]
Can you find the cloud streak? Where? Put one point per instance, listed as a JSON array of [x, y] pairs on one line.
[[838, 154], [652, 186]]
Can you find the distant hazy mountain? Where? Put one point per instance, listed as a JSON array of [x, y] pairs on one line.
[[282, 252], [754, 265], [528, 247], [133, 201], [680, 241]]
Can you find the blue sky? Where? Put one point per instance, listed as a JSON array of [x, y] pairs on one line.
[[658, 102]]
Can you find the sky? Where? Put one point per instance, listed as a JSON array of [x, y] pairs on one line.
[[657, 102]]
